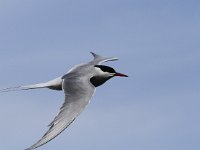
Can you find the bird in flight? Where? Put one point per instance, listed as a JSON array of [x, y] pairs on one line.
[[79, 85]]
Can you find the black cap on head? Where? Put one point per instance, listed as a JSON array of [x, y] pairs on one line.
[[106, 68], [110, 70]]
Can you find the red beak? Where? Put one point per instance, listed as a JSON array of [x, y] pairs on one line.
[[120, 75]]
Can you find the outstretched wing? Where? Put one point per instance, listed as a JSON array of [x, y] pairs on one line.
[[78, 92], [99, 59]]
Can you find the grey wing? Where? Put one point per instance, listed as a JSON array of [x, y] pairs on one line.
[[99, 59], [77, 95]]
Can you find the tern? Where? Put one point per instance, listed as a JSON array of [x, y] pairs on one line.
[[79, 85]]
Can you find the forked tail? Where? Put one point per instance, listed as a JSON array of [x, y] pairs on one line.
[[25, 87], [55, 84]]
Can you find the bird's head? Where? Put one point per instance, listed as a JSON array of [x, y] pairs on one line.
[[106, 71], [103, 73]]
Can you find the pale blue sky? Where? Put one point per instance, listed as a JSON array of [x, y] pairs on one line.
[[157, 42]]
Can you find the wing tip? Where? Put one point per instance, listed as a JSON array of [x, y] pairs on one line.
[[36, 145], [30, 148], [98, 57], [95, 55]]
